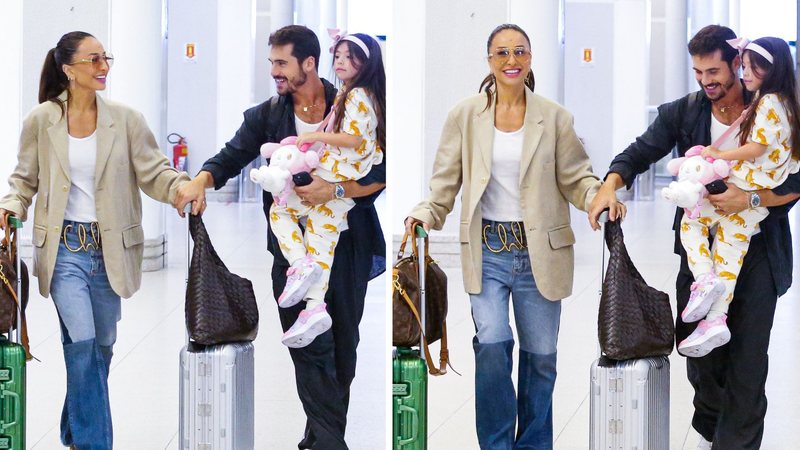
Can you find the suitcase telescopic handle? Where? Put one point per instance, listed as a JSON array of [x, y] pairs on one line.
[[187, 210], [15, 224], [421, 234], [16, 408], [414, 425], [602, 219]]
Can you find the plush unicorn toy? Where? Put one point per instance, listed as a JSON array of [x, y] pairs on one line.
[[286, 159], [694, 172]]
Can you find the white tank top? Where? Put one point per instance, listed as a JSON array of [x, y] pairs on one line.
[[82, 163], [500, 201]]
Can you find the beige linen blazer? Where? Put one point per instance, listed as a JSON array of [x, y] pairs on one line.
[[128, 158], [554, 171]]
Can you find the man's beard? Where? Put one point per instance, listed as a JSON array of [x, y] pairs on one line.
[[723, 90], [293, 85]]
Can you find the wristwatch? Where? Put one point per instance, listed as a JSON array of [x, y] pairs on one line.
[[755, 200], [338, 191]]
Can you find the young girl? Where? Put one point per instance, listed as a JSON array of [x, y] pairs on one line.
[[353, 142], [768, 154]]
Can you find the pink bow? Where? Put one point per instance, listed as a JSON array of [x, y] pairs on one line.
[[336, 35], [739, 44]]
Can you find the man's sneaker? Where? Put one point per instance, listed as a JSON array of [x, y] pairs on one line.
[[705, 290], [299, 278], [310, 324], [703, 444], [708, 335]]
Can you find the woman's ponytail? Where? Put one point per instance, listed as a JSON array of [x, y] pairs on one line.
[[53, 80]]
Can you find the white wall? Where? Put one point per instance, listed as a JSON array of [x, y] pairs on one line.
[[234, 66], [43, 24], [608, 97], [11, 80]]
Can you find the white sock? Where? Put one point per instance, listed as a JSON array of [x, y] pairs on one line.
[[311, 303]]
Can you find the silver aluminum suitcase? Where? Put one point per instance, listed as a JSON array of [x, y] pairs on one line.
[[629, 404], [217, 397], [217, 392], [629, 400]]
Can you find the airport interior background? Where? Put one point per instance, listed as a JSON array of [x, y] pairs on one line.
[[193, 66]]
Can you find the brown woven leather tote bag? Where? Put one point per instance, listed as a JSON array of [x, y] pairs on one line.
[[220, 306], [635, 320]]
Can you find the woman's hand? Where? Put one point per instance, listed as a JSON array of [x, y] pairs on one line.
[[606, 198], [4, 214], [195, 192], [711, 152], [411, 222]]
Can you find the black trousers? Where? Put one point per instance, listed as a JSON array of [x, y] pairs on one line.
[[730, 401], [325, 369]]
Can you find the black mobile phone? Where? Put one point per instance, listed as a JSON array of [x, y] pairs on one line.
[[716, 187], [302, 179]]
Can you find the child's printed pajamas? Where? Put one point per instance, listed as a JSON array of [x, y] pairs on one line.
[[325, 222], [725, 257]]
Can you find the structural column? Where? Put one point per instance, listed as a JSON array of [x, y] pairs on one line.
[[136, 39], [543, 21]]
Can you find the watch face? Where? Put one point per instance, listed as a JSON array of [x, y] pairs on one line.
[[755, 200]]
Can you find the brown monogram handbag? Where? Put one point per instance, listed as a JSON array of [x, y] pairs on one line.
[[635, 320], [406, 321], [220, 306], [9, 302]]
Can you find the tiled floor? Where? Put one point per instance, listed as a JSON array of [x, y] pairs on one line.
[[649, 240], [144, 375], [144, 372]]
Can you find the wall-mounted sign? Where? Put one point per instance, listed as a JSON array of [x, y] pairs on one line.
[[191, 51], [587, 56]]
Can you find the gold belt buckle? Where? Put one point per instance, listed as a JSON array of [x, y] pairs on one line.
[[83, 243], [517, 233]]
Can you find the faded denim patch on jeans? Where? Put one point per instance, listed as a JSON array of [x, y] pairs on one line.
[[507, 276], [88, 311]]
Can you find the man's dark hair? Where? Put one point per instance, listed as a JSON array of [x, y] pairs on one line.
[[304, 42], [712, 38]]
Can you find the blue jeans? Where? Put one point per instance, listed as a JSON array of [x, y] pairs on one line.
[[88, 310], [499, 410]]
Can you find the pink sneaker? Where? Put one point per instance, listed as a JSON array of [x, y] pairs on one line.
[[708, 335], [705, 290], [299, 278], [310, 324]]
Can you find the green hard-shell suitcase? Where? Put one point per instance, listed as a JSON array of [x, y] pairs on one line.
[[12, 374], [409, 400], [410, 384]]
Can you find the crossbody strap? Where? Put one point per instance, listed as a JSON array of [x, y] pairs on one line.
[[731, 129], [444, 354], [23, 327]]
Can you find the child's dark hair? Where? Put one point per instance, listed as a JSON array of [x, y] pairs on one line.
[[712, 38], [304, 42], [776, 78], [488, 82], [53, 80], [371, 76]]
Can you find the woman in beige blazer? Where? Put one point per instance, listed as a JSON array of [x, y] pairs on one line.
[[86, 160], [519, 164]]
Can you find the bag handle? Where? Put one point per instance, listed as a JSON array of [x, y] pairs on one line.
[[23, 327], [444, 353], [10, 242], [734, 126]]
